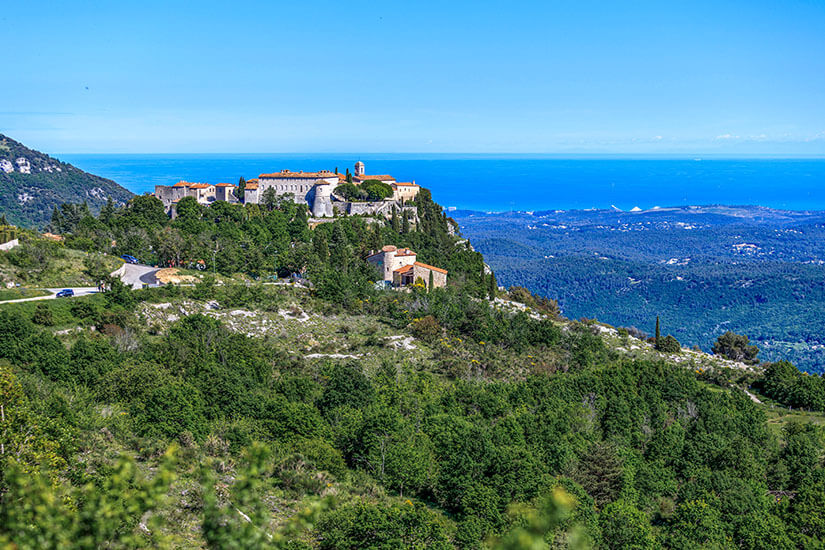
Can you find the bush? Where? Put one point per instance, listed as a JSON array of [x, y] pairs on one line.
[[43, 316], [668, 344], [426, 328], [736, 347]]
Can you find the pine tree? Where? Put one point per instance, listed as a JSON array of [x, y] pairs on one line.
[[107, 211], [321, 248], [57, 221]]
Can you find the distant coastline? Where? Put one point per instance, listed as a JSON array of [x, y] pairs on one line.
[[506, 183]]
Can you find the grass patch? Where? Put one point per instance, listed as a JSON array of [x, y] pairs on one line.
[[22, 292]]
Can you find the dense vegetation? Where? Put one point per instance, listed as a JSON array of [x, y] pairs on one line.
[[370, 190], [27, 200], [499, 427], [704, 270]]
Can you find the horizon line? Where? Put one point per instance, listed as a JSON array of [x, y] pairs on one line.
[[696, 156]]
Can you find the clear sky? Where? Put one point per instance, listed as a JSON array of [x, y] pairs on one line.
[[648, 77]]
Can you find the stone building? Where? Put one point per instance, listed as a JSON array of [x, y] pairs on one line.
[[225, 192], [204, 193], [398, 268], [301, 185], [315, 189], [404, 191]]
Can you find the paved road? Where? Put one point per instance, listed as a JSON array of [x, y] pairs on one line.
[[136, 275], [78, 291]]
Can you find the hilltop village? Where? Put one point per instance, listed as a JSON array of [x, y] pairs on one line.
[[326, 193]]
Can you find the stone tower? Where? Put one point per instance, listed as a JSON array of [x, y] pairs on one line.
[[322, 201], [359, 168]]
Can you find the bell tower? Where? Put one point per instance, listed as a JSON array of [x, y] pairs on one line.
[[359, 168]]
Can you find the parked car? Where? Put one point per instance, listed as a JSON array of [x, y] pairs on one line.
[[129, 259], [65, 293]]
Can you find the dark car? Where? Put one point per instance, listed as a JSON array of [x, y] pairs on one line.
[[129, 259], [65, 293]]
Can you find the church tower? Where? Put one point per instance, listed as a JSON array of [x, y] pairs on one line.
[[359, 168]]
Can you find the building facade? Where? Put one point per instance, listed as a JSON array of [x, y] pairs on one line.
[[315, 189], [398, 268]]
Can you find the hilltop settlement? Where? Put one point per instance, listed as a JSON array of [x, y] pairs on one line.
[[325, 193]]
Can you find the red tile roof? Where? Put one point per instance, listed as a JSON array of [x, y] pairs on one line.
[[404, 184], [199, 186], [426, 266], [389, 248], [224, 185], [405, 269], [302, 175], [380, 177], [251, 185]]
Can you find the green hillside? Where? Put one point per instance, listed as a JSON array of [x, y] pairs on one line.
[[335, 414], [33, 183]]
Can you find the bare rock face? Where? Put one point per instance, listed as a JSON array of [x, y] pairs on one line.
[[33, 184], [23, 166]]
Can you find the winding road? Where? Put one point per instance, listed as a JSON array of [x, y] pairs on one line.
[[134, 275]]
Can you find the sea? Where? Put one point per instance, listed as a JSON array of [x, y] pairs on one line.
[[500, 183]]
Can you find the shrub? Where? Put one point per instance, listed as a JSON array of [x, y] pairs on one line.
[[43, 315], [669, 344], [736, 347], [426, 328]]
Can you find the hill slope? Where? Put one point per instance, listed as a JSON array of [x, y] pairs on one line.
[[748, 269], [33, 183]]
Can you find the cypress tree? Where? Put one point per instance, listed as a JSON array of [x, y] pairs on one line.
[[493, 286], [432, 281], [241, 189], [658, 334], [394, 220], [405, 224]]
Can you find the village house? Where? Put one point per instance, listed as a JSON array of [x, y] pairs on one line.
[[169, 195], [399, 268]]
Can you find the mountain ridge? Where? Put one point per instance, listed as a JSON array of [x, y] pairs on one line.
[[33, 183]]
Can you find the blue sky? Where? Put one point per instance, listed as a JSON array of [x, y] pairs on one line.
[[539, 77]]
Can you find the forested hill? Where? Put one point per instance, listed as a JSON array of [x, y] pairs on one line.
[[247, 411], [703, 270], [33, 183]]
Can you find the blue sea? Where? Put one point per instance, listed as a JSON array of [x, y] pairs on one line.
[[510, 182]]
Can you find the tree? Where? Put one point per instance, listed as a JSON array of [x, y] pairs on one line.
[[736, 347], [625, 526], [240, 190], [431, 283], [600, 473], [696, 524], [658, 334], [270, 199], [394, 223], [107, 211], [669, 344], [493, 286]]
